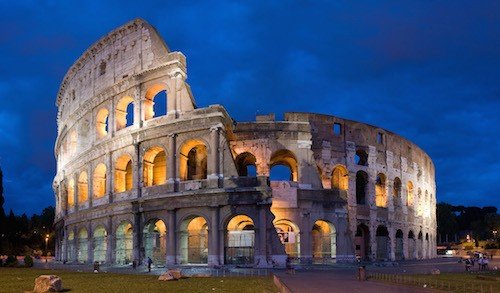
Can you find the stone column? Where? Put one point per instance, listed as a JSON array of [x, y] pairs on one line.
[[64, 256], [260, 259], [112, 119], [213, 160], [373, 242], [171, 241], [110, 178], [137, 169], [172, 177], [392, 239], [110, 242], [90, 186], [137, 236], [213, 240], [75, 245], [90, 245], [75, 192], [306, 253]]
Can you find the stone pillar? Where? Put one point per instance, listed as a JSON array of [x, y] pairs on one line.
[[90, 186], [373, 242], [110, 242], [171, 161], [90, 245], [213, 240], [260, 259], [110, 178], [112, 119], [137, 170], [74, 256], [75, 192], [405, 244], [137, 236], [213, 160], [64, 256], [171, 241], [392, 239], [306, 253]]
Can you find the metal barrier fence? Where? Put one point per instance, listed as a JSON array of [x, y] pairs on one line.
[[433, 283]]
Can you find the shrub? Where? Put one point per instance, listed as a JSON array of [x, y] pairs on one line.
[[11, 261], [28, 261], [468, 247]]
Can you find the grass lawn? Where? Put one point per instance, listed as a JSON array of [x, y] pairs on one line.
[[22, 279], [488, 281]]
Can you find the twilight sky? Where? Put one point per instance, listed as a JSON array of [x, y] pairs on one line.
[[427, 70]]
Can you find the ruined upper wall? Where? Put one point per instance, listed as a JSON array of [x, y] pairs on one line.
[[127, 50]]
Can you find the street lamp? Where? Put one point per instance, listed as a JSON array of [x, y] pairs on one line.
[[46, 242]]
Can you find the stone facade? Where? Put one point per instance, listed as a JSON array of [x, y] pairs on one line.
[[137, 178]]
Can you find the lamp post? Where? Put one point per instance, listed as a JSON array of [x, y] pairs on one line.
[[46, 242]]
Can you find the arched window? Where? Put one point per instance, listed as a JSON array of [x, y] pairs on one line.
[[124, 114], [361, 158], [240, 241], [361, 184], [380, 193], [83, 187], [340, 178], [193, 164], [396, 191], [245, 163], [102, 122], [410, 195], [284, 166], [71, 193], [155, 103], [99, 181], [123, 174], [155, 167]]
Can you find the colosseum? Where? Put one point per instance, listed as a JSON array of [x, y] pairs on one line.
[[143, 172]]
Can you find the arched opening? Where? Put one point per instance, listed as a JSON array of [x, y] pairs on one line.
[[100, 244], [396, 191], [102, 122], [340, 178], [399, 245], [83, 245], [124, 114], [124, 243], [380, 193], [71, 193], [409, 192], [383, 244], [155, 103], [155, 241], [289, 235], [427, 246], [193, 160], [420, 246], [71, 246], [194, 241], [245, 163], [411, 245], [361, 185], [155, 167], [362, 242], [283, 166], [240, 241], [361, 158], [324, 242], [83, 187], [123, 174], [99, 181]]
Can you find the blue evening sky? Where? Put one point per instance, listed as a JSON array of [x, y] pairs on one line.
[[427, 70]]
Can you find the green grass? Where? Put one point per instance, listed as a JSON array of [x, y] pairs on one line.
[[22, 279], [488, 281]]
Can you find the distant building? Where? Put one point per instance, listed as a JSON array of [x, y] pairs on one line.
[[142, 172]]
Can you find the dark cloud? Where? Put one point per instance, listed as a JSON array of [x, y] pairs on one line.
[[426, 70]]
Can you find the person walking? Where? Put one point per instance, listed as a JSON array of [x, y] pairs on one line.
[[150, 262]]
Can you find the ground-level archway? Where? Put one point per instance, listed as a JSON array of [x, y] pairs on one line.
[[411, 245], [399, 254], [83, 246], [324, 241], [194, 240], [100, 244], [362, 242], [289, 235], [124, 243], [155, 242], [383, 244], [240, 241], [70, 247]]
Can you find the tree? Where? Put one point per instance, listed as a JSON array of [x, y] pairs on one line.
[[447, 221]]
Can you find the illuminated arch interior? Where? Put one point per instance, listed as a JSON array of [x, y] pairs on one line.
[[123, 174], [155, 167]]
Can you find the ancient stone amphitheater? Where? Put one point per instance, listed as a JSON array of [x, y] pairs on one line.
[[143, 172]]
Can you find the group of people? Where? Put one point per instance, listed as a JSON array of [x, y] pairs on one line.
[[482, 263]]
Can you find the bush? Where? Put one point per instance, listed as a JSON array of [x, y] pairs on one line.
[[468, 247], [490, 246], [11, 261], [28, 261]]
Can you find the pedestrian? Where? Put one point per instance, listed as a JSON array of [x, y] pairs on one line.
[[150, 262], [480, 264], [467, 265], [485, 263]]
